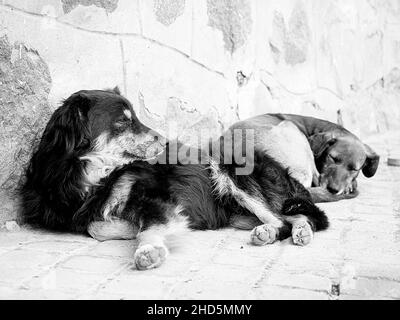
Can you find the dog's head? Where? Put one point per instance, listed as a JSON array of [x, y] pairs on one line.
[[101, 127], [339, 159]]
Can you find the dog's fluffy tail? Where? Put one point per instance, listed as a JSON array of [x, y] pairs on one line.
[[305, 207]]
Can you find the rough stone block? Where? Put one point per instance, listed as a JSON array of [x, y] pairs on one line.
[[74, 59], [25, 84]]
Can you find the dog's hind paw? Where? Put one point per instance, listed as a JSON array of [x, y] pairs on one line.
[[302, 234], [264, 234], [148, 256]]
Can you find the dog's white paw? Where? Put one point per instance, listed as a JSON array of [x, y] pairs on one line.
[[264, 234], [302, 234], [150, 256]]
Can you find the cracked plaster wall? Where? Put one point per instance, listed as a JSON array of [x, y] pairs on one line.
[[188, 65]]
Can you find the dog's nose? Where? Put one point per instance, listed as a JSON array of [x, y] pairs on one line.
[[332, 189]]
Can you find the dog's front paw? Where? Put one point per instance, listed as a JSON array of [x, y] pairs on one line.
[[264, 234], [302, 234], [148, 256]]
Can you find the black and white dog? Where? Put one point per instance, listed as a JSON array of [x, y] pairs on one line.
[[99, 170]]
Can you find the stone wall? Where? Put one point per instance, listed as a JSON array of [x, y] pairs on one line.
[[187, 65]]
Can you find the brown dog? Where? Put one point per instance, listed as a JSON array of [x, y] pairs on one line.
[[295, 141]]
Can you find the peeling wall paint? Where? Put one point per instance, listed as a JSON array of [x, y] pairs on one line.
[[290, 39], [233, 19], [167, 11], [24, 110], [297, 36], [108, 5]]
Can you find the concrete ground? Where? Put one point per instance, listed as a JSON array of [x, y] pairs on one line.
[[357, 258]]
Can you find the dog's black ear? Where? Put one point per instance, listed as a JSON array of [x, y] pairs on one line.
[[116, 90], [53, 190], [371, 162], [68, 130], [319, 142]]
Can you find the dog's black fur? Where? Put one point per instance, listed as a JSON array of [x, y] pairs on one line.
[[54, 188], [59, 195], [155, 187]]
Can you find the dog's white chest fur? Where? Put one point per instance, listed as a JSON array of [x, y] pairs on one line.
[[287, 145]]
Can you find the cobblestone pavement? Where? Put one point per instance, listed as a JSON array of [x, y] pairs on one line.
[[357, 258]]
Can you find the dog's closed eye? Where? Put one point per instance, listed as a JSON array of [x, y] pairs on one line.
[[335, 159], [121, 122], [122, 119]]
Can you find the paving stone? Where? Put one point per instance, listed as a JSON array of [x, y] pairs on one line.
[[24, 294], [206, 289], [25, 258], [93, 264], [310, 265], [61, 279], [138, 285], [379, 270], [12, 240], [239, 258], [114, 248], [284, 293], [374, 287], [354, 297], [301, 280], [55, 246], [227, 273], [177, 267], [13, 277]]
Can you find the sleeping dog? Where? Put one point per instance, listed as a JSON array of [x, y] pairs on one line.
[[99, 170], [318, 153], [90, 135]]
